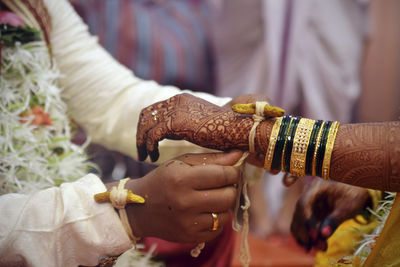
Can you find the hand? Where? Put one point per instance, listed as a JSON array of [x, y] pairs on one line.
[[193, 119], [181, 194], [322, 208]]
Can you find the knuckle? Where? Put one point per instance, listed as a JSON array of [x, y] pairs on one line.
[[231, 196], [181, 204], [226, 174], [175, 179]]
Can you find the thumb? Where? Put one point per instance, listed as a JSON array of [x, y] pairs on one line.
[[219, 158]]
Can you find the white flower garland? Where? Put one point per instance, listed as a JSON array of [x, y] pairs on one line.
[[34, 156], [381, 214]]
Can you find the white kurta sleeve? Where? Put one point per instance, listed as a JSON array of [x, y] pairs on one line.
[[60, 226], [102, 95]]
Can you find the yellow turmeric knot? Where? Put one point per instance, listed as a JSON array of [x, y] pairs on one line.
[[269, 111], [130, 198]]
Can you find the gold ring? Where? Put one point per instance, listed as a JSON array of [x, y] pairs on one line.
[[215, 221]]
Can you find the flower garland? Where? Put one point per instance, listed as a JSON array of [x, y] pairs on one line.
[[35, 132], [380, 215]]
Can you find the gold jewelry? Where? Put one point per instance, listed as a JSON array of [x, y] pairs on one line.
[[272, 141], [300, 145], [328, 149], [215, 221], [314, 162]]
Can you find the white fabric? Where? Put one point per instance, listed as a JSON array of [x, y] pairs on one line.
[[101, 94], [323, 57], [324, 51], [60, 226]]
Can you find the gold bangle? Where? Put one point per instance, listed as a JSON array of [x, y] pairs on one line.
[[314, 161], [328, 149], [272, 141], [300, 146]]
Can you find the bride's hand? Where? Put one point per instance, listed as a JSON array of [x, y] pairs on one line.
[[193, 119]]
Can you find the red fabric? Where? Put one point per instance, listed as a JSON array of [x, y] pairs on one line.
[[217, 253]]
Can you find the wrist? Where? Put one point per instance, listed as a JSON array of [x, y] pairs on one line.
[[263, 133], [134, 210]]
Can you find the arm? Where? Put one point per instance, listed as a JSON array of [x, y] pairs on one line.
[[65, 227], [365, 155], [102, 95], [368, 155], [35, 228]]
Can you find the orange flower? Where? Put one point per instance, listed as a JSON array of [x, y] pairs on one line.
[[40, 117]]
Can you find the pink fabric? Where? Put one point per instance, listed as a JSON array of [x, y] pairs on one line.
[[217, 253], [7, 17]]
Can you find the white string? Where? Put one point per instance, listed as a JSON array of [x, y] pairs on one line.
[[242, 189], [257, 117], [118, 196]]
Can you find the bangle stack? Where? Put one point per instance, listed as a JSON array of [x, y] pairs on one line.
[[301, 146]]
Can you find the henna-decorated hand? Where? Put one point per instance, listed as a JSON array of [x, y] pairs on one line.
[[322, 208], [193, 119]]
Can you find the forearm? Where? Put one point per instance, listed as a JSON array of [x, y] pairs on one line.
[[368, 155], [60, 226], [365, 155]]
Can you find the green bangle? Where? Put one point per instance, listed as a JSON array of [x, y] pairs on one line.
[[280, 141], [289, 143], [311, 146], [321, 148]]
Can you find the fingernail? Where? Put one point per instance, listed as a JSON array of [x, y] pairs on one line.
[[154, 155], [141, 152], [328, 226], [326, 231]]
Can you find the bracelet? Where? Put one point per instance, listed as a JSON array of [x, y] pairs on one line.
[[257, 117], [321, 148], [329, 148], [317, 145], [311, 146], [287, 150], [271, 145], [301, 143], [119, 197], [280, 141]]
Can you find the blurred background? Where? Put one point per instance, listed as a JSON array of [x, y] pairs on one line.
[[336, 60]]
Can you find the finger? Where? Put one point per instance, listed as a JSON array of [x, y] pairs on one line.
[[312, 227], [289, 180], [142, 151], [144, 124], [215, 200], [219, 158], [207, 221], [154, 135], [211, 176], [328, 227], [298, 227]]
